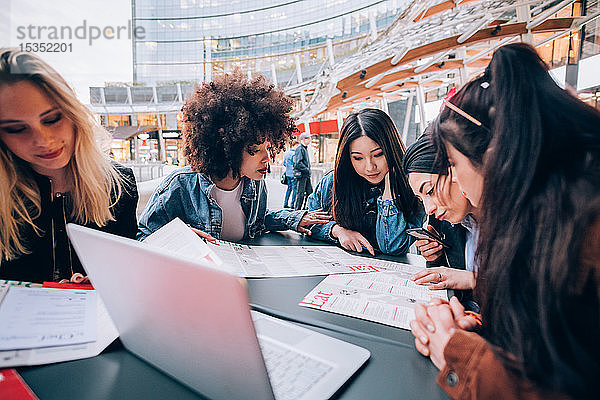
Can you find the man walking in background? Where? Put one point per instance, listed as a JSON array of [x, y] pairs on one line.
[[302, 171], [288, 163]]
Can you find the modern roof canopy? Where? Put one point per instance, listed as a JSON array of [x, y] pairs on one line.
[[427, 42]]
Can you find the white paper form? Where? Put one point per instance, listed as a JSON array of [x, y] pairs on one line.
[[6, 284], [385, 265], [176, 237], [385, 297], [279, 261], [41, 317], [106, 334]]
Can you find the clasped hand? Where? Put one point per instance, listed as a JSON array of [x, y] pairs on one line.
[[435, 323]]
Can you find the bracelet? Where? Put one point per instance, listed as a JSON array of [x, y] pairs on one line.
[[476, 316]]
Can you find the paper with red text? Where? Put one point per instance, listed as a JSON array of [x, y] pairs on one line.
[[385, 297], [417, 263], [39, 317], [280, 261], [106, 334]]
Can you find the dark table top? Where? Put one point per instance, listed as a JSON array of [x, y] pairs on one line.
[[394, 371]]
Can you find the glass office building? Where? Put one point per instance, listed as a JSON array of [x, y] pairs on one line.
[[397, 55], [196, 39]]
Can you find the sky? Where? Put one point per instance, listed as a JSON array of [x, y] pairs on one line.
[[83, 61]]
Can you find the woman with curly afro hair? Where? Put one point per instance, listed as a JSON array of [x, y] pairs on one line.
[[232, 127]]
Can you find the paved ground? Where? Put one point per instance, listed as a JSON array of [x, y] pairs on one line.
[[275, 192]]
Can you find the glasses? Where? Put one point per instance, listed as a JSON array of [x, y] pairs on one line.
[[468, 116]]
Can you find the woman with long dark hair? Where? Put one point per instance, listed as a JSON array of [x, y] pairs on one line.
[[528, 154], [367, 192], [452, 216]]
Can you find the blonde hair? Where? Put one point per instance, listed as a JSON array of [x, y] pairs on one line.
[[96, 183]]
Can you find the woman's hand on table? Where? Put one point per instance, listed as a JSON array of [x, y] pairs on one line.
[[351, 240], [445, 278], [435, 324], [311, 218], [76, 278], [429, 249]]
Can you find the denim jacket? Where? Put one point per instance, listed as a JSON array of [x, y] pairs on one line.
[[390, 228], [288, 163], [187, 194]]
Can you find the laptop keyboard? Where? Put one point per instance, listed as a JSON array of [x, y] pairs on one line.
[[291, 373]]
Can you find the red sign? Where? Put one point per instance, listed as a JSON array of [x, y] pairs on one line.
[[320, 127]]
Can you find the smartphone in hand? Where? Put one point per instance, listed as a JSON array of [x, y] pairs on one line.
[[422, 233]]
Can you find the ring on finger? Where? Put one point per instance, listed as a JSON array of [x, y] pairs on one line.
[[440, 277]]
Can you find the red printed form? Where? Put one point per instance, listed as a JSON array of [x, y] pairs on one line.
[[277, 261], [106, 333], [256, 261], [385, 297]]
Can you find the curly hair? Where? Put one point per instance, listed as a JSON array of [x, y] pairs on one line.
[[232, 114]]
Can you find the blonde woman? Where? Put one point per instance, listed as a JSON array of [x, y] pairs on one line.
[[52, 172]]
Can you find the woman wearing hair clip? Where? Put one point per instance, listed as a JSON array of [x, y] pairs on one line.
[[527, 154], [452, 266], [53, 172], [367, 192]]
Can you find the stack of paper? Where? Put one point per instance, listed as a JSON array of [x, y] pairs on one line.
[[176, 237], [260, 261], [38, 317], [385, 297], [40, 326], [281, 261]]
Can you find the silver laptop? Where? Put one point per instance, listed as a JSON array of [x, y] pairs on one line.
[[194, 323]]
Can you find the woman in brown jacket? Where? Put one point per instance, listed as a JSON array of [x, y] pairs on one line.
[[528, 153]]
